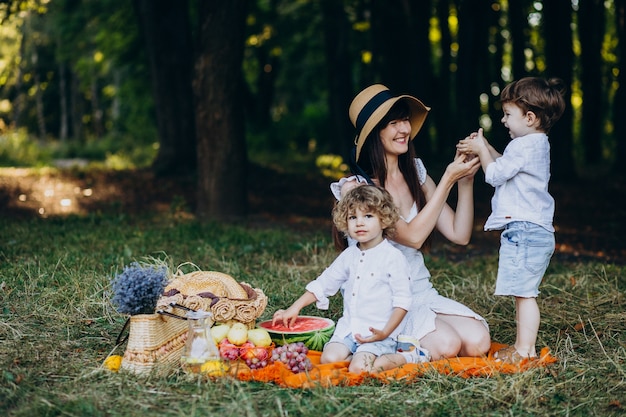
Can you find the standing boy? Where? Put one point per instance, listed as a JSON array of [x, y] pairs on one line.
[[522, 206]]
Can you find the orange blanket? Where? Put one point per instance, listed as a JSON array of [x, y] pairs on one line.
[[337, 373]]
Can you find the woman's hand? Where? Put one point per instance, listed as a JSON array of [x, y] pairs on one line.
[[462, 166], [349, 185], [469, 178]]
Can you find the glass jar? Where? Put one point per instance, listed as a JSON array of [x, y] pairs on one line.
[[200, 354]]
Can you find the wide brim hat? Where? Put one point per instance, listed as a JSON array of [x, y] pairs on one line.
[[372, 104]]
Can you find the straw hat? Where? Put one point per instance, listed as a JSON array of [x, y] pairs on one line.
[[218, 283], [372, 104]]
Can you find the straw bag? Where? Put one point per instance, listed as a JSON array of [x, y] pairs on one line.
[[154, 339], [158, 339], [219, 293]]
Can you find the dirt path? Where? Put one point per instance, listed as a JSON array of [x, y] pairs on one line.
[[590, 217]]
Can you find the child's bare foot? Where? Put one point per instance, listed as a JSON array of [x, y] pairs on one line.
[[511, 355]]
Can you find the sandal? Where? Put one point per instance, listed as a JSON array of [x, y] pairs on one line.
[[510, 355]]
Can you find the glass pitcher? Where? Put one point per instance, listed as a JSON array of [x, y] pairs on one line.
[[200, 354]]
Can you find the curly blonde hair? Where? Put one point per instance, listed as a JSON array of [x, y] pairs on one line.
[[369, 198]]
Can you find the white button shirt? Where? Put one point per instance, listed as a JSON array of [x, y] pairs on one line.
[[373, 282], [521, 177]]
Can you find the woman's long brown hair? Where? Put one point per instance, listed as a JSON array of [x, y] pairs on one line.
[[372, 161]]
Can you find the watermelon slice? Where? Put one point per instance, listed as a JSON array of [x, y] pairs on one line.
[[313, 331]]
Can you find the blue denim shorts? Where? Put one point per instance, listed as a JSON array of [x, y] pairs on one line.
[[382, 347], [525, 252]]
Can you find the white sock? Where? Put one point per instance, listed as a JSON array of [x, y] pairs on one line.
[[417, 355]]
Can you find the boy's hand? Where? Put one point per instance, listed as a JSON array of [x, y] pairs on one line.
[[472, 144], [375, 336], [285, 317]]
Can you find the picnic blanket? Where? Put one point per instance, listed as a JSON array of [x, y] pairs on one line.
[[336, 374]]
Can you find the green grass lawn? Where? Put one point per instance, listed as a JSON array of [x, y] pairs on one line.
[[57, 325]]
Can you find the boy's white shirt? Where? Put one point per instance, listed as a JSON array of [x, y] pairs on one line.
[[373, 283], [520, 177]]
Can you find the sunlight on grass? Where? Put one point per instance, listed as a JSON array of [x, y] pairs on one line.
[[58, 325], [45, 192]]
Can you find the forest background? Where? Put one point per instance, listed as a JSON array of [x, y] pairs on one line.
[[205, 94], [135, 128]]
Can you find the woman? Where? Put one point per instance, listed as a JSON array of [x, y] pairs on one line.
[[384, 156]]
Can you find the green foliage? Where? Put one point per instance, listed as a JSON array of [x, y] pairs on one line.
[[284, 45], [117, 151], [91, 54], [18, 149], [332, 166], [58, 325], [113, 151], [86, 53]]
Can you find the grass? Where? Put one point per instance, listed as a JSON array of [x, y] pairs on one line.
[[57, 325]]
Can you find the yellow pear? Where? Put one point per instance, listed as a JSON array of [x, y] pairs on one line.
[[238, 334], [259, 337], [219, 332]]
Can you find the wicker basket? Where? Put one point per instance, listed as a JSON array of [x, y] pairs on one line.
[[154, 339], [158, 339], [219, 293]]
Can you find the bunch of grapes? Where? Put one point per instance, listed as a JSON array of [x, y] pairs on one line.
[[256, 357], [255, 363], [293, 355]]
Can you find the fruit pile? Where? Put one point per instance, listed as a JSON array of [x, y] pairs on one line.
[[237, 342], [293, 355], [254, 347]]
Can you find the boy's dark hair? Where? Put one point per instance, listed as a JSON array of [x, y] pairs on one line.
[[544, 97]]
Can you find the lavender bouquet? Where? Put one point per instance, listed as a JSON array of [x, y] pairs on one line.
[[137, 288]]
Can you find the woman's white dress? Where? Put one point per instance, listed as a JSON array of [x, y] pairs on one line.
[[427, 302]]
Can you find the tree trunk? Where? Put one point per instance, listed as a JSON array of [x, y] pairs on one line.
[[591, 32], [167, 34], [398, 55], [421, 78], [518, 24], [443, 98], [421, 74], [336, 46], [63, 114], [222, 191], [41, 121], [401, 50], [20, 97], [471, 75], [77, 111], [619, 103], [557, 33], [498, 133], [96, 111], [115, 103]]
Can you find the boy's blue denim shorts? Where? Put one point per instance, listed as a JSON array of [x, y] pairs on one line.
[[382, 347], [525, 252]]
